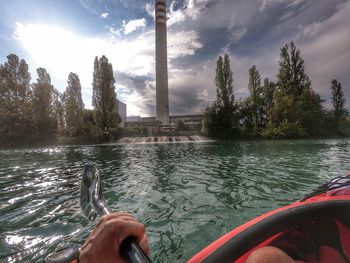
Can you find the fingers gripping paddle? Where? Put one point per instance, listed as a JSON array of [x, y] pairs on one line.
[[92, 204]]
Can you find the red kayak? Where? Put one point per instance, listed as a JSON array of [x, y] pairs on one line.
[[319, 222]]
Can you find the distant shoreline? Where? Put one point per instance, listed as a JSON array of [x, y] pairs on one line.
[[73, 143]]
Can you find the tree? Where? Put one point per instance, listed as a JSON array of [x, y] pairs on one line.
[[255, 100], [292, 79], [246, 114], [58, 109], [104, 97], [267, 90], [267, 96], [15, 98], [224, 83], [296, 109], [337, 99], [74, 105], [180, 125], [43, 99], [219, 117]]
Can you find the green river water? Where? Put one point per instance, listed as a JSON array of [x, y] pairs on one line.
[[187, 194]]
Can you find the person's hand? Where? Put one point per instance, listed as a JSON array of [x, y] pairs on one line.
[[104, 242]]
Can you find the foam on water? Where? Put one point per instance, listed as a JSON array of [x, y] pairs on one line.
[[163, 139]]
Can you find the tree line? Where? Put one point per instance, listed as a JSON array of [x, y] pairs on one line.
[[36, 112], [289, 108]]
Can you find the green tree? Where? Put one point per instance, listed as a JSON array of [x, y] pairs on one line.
[[104, 97], [296, 109], [267, 90], [246, 115], [58, 101], [180, 125], [224, 83], [337, 99], [210, 122], [219, 117], [74, 105], [255, 91], [292, 79], [15, 98], [43, 98]]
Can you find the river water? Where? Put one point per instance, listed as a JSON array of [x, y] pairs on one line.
[[187, 194]]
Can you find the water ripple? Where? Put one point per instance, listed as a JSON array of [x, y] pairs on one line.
[[187, 195]]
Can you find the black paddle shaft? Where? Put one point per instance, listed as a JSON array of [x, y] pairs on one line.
[[92, 204]]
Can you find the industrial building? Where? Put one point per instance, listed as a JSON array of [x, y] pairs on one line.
[[162, 122]]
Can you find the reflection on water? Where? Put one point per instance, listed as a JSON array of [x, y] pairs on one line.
[[187, 195]]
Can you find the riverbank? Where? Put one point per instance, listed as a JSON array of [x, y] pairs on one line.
[[132, 136], [144, 138]]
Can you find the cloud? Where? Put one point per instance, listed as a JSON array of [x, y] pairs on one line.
[[191, 89], [133, 25], [268, 3], [134, 57], [312, 30], [150, 10], [104, 15], [76, 53], [183, 43], [176, 17], [237, 35], [138, 92], [325, 48], [252, 32], [191, 11]]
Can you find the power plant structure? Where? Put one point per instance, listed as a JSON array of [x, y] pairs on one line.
[[162, 122], [162, 96]]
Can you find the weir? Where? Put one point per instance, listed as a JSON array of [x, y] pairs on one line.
[[164, 139]]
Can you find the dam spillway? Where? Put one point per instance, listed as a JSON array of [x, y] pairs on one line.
[[164, 139]]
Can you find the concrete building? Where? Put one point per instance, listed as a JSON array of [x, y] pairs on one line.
[[162, 97], [151, 124], [122, 112], [188, 120]]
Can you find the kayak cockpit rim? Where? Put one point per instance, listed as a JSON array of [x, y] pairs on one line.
[[241, 243]]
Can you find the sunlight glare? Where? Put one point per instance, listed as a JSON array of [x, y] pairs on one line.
[[61, 51]]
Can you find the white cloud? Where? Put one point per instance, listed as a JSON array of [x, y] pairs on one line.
[[104, 15], [183, 43], [238, 34], [114, 32], [287, 15], [176, 17], [192, 11], [150, 10], [312, 29], [268, 3], [136, 103], [61, 51], [295, 2], [133, 25]]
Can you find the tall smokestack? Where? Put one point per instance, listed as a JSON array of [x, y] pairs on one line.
[[162, 97]]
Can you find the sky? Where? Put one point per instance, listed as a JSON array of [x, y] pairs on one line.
[[65, 36]]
